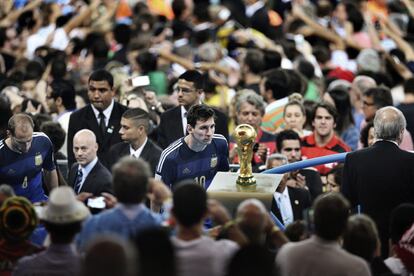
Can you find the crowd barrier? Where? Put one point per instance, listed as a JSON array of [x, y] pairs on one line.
[[339, 157]]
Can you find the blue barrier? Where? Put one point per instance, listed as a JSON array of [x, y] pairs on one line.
[[339, 157]]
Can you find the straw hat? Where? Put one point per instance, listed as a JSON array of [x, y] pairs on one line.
[[63, 207], [17, 218]]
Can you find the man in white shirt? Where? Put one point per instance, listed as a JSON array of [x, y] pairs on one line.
[[60, 98], [135, 125], [102, 116], [289, 203]]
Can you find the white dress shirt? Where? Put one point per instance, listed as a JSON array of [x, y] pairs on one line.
[[107, 112], [285, 207], [184, 119], [137, 153]]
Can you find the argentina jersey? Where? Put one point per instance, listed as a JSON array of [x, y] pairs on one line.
[[179, 162], [23, 171]]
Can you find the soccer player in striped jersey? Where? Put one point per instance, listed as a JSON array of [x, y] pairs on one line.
[[199, 155]]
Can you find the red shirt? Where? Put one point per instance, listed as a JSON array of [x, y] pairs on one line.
[[311, 150]]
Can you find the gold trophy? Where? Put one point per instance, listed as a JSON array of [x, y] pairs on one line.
[[248, 185], [245, 136]]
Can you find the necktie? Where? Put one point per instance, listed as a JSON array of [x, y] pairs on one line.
[[78, 181], [102, 125]]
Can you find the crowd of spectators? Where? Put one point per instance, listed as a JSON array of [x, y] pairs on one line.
[[115, 116]]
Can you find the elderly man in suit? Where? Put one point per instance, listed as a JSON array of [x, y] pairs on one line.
[[173, 124], [102, 115], [289, 203], [88, 174], [379, 178], [134, 133]]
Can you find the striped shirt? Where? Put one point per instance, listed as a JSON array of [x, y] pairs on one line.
[[179, 162], [23, 171]]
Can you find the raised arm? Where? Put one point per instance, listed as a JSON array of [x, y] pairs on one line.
[[13, 15], [85, 13], [401, 43]]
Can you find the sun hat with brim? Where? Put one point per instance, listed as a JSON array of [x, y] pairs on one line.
[[18, 218], [63, 207]]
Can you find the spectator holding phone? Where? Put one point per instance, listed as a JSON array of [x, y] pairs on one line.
[[250, 109], [130, 215]]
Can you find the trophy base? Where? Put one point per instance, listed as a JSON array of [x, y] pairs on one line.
[[225, 189], [246, 188], [246, 181]]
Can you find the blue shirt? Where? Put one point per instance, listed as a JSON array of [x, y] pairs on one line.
[[179, 162], [23, 171], [351, 137], [116, 222]]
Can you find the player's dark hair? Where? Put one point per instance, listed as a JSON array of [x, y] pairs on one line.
[[199, 112]]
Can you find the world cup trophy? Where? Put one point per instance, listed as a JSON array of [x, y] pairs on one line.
[[245, 136]]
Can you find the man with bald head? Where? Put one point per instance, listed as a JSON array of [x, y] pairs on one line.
[[379, 178], [88, 175], [255, 223], [26, 159], [252, 217]]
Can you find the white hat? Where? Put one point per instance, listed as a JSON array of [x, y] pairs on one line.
[[63, 207]]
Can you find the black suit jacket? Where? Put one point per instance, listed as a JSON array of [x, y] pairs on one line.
[[98, 180], [85, 118], [299, 199], [379, 178], [170, 128], [150, 153]]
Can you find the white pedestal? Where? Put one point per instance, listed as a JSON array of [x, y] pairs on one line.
[[224, 189]]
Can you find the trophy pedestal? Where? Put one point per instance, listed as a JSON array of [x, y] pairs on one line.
[[224, 189]]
